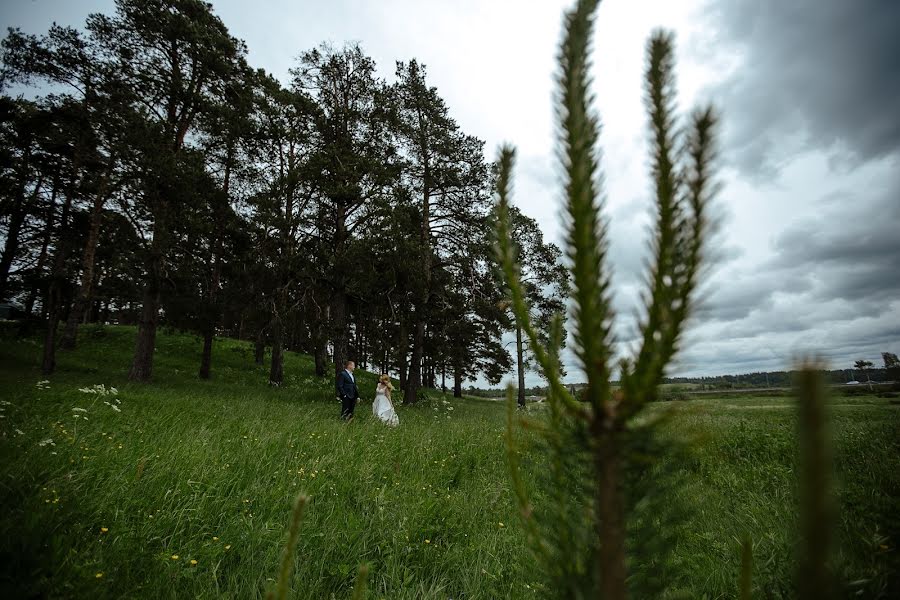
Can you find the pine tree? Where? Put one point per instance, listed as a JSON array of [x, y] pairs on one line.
[[446, 171], [544, 281], [173, 56], [597, 442], [354, 157]]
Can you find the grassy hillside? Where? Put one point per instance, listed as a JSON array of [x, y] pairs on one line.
[[138, 484]]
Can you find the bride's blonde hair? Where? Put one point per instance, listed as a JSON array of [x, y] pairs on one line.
[[386, 381]]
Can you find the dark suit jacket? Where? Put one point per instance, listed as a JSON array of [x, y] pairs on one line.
[[346, 386]]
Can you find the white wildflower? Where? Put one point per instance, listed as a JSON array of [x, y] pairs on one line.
[[116, 408], [48, 441], [99, 390], [19, 432], [77, 409]]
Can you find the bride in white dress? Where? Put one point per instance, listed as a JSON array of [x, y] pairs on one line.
[[382, 407]]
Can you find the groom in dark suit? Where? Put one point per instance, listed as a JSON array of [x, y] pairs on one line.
[[347, 390]]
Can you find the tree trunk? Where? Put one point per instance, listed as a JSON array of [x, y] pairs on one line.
[[320, 354], [54, 293], [402, 344], [414, 380], [457, 382], [211, 313], [260, 347], [45, 244], [339, 328], [610, 514], [16, 221], [206, 357], [48, 363], [276, 371], [520, 362], [145, 344], [82, 300]]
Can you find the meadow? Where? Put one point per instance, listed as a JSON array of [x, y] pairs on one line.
[[183, 487]]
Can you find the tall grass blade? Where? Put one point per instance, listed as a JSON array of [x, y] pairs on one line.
[[287, 556]]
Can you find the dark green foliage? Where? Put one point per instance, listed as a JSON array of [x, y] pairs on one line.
[[338, 214]]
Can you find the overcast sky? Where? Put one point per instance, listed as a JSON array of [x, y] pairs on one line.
[[809, 239]]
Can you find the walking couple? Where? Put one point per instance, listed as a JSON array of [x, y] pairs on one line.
[[382, 407]]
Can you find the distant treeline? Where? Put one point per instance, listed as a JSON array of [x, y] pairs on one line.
[[780, 378], [759, 379]]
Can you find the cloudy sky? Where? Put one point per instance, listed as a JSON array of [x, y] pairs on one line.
[[809, 238]]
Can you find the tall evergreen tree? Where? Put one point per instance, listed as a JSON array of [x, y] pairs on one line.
[[175, 56], [448, 175], [354, 159], [284, 204], [545, 283]]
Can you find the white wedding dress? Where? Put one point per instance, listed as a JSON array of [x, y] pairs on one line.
[[383, 408]]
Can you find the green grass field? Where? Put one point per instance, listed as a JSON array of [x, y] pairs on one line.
[[182, 488]]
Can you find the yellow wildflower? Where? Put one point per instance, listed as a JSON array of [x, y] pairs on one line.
[[98, 575], [174, 557], [104, 529], [193, 562], [427, 541], [215, 539], [228, 546]]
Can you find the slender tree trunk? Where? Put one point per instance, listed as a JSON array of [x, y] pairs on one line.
[[520, 362], [206, 357], [211, 310], [414, 382], [276, 371], [54, 293], [414, 379], [320, 354], [11, 246], [83, 298], [260, 346], [16, 221], [339, 326], [402, 344], [610, 514], [338, 309], [48, 363], [212, 313], [457, 382], [145, 344], [45, 244]]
